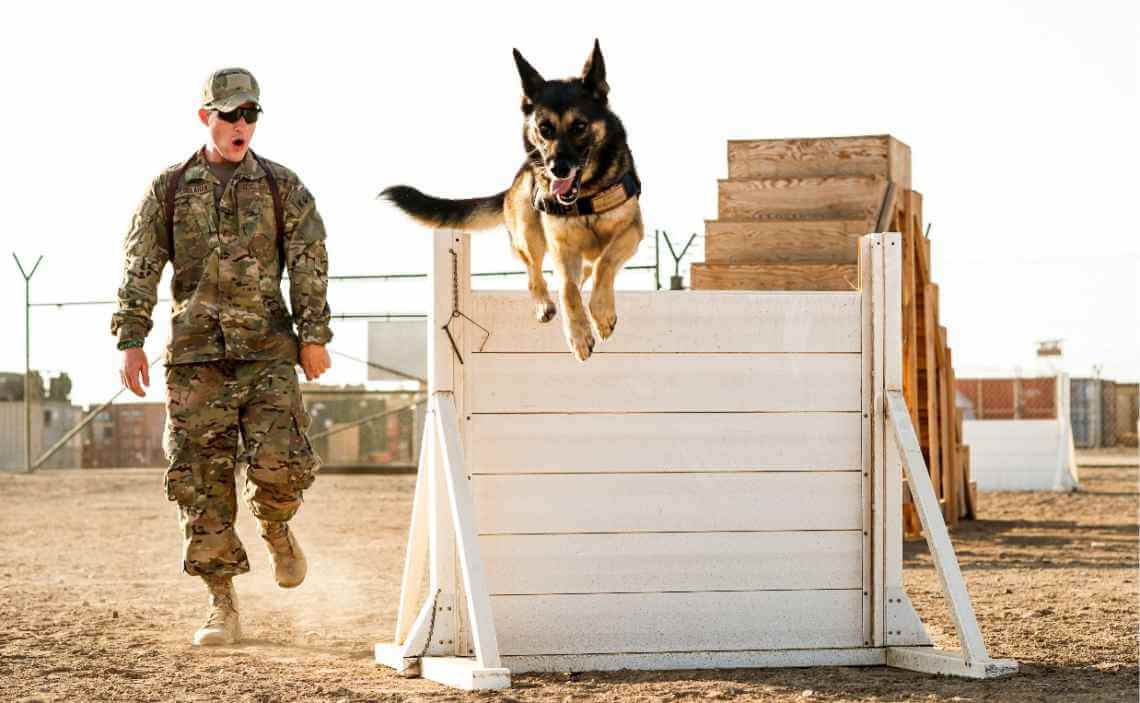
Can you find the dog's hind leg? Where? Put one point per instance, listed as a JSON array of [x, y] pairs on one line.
[[621, 248], [575, 321]]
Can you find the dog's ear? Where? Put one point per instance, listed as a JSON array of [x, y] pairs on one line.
[[594, 73], [532, 82]]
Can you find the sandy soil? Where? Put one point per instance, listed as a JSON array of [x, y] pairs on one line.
[[93, 606]]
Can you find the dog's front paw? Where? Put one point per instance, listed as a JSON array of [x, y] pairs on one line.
[[544, 312], [581, 344]]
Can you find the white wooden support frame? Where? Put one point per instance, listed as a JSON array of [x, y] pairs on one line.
[[566, 519]]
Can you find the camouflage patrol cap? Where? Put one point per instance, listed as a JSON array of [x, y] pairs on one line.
[[229, 88]]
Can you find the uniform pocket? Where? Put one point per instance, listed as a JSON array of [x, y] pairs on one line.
[[179, 483], [303, 461]]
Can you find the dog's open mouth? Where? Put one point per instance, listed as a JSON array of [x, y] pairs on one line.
[[565, 190]]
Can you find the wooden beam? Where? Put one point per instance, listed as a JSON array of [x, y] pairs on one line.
[[775, 277], [784, 242], [945, 432], [929, 381], [910, 317], [876, 155], [837, 197]]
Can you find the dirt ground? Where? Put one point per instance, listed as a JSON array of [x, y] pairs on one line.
[[93, 606]]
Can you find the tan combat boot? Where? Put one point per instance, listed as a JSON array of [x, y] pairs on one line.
[[222, 626], [289, 565]]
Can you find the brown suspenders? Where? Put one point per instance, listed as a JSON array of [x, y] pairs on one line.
[[278, 214]]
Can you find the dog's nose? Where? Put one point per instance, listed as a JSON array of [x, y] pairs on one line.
[[560, 168]]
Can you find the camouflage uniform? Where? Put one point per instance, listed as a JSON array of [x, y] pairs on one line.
[[230, 359]]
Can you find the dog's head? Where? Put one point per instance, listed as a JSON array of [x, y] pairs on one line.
[[565, 122]]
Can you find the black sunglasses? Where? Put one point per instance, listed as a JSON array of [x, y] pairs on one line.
[[249, 113]]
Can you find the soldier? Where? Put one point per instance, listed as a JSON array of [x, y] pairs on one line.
[[230, 222]]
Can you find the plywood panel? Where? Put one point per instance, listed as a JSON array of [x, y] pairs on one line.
[[703, 502], [510, 383], [663, 441], [664, 622], [790, 277], [680, 322], [706, 561], [876, 155], [841, 197], [1013, 454], [784, 242]]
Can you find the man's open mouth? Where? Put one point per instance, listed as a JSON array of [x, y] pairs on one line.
[[565, 190], [238, 142]]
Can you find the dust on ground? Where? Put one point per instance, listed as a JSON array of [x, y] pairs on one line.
[[93, 606]]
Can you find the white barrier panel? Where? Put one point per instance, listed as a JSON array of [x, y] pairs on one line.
[[714, 487], [1024, 455]]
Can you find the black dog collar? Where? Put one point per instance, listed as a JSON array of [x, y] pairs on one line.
[[628, 187]]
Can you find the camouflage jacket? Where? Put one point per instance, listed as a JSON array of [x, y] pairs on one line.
[[226, 287]]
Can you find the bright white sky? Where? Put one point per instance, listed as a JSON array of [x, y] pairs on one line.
[[1021, 117]]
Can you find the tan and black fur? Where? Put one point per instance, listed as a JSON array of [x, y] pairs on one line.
[[567, 128]]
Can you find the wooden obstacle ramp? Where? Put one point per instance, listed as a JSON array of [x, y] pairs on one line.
[[671, 502]]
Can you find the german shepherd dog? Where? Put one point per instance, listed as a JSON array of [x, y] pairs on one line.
[[576, 195]]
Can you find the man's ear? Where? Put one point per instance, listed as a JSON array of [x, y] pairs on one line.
[[532, 82], [594, 73], [204, 116]]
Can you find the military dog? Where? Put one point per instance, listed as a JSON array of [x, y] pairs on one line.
[[576, 195]]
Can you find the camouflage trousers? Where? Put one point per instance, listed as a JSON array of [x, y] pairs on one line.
[[223, 415]]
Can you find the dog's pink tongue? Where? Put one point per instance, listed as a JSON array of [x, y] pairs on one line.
[[561, 186]]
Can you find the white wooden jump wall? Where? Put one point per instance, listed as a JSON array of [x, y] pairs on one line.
[[1025, 455], [720, 485]]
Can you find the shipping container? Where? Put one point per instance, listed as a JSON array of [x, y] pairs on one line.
[[1107, 414], [1085, 398], [51, 420], [1127, 412]]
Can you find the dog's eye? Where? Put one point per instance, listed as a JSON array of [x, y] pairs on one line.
[[546, 130], [578, 127]]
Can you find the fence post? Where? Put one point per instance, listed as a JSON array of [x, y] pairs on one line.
[[27, 359]]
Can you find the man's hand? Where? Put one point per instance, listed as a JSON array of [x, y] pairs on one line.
[[314, 360], [135, 372]]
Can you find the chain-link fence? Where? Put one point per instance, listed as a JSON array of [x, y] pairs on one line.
[[366, 412], [1102, 412]]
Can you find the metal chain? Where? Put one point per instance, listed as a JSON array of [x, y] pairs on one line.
[[431, 623], [456, 312]]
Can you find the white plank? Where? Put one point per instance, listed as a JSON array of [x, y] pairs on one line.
[[441, 358], [687, 321], [413, 589], [441, 544], [661, 442], [881, 511], [871, 511], [934, 529], [706, 561], [892, 381], [504, 383], [708, 502], [672, 622], [662, 661], [465, 673], [1001, 432], [480, 618], [936, 661]]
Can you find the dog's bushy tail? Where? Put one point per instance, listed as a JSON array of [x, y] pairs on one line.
[[464, 214]]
